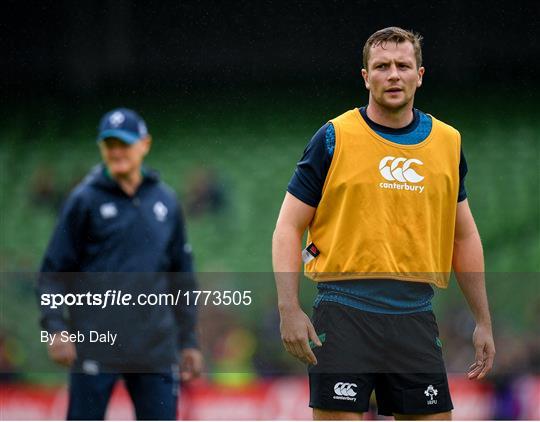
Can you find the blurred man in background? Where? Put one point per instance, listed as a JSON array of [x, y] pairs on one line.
[[381, 191], [122, 226]]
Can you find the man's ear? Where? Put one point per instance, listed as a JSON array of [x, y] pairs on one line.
[[421, 71], [365, 76], [147, 143]]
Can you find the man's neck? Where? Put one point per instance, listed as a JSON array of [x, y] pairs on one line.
[[129, 183], [395, 119]]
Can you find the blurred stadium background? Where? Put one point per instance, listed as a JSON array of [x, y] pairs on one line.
[[231, 94]]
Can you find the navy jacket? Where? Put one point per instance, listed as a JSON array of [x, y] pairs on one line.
[[106, 239]]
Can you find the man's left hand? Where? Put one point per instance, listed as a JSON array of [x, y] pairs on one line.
[[484, 350], [191, 364]]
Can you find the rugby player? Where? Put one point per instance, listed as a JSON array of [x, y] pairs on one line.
[[381, 191]]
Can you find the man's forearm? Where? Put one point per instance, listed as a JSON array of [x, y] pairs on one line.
[[52, 318], [287, 260], [186, 313], [468, 263]]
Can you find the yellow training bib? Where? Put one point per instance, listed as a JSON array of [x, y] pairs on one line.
[[387, 210]]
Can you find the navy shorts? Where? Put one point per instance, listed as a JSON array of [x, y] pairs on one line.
[[398, 356]]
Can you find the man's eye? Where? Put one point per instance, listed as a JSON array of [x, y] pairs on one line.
[[380, 66]]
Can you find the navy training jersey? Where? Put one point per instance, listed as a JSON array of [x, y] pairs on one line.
[[105, 236]]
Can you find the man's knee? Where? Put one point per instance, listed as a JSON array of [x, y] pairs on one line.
[[444, 416], [89, 395], [336, 415]]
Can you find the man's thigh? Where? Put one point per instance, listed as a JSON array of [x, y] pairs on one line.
[[336, 415], [444, 416], [411, 395], [344, 393], [155, 396], [417, 383], [89, 395], [343, 379]]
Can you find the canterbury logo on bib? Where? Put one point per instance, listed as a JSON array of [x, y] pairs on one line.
[[399, 169]]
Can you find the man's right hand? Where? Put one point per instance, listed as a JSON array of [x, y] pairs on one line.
[[62, 352], [296, 331]]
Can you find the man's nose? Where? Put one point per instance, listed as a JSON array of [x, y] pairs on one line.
[[394, 74]]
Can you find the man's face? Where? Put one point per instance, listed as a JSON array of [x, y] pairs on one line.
[[121, 158], [392, 76]]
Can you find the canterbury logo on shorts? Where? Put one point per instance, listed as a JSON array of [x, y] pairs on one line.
[[345, 391]]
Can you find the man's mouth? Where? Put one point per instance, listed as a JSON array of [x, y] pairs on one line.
[[394, 90]]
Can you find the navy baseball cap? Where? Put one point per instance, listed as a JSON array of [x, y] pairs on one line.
[[124, 124]]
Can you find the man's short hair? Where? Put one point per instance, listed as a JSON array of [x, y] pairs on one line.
[[393, 34]]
